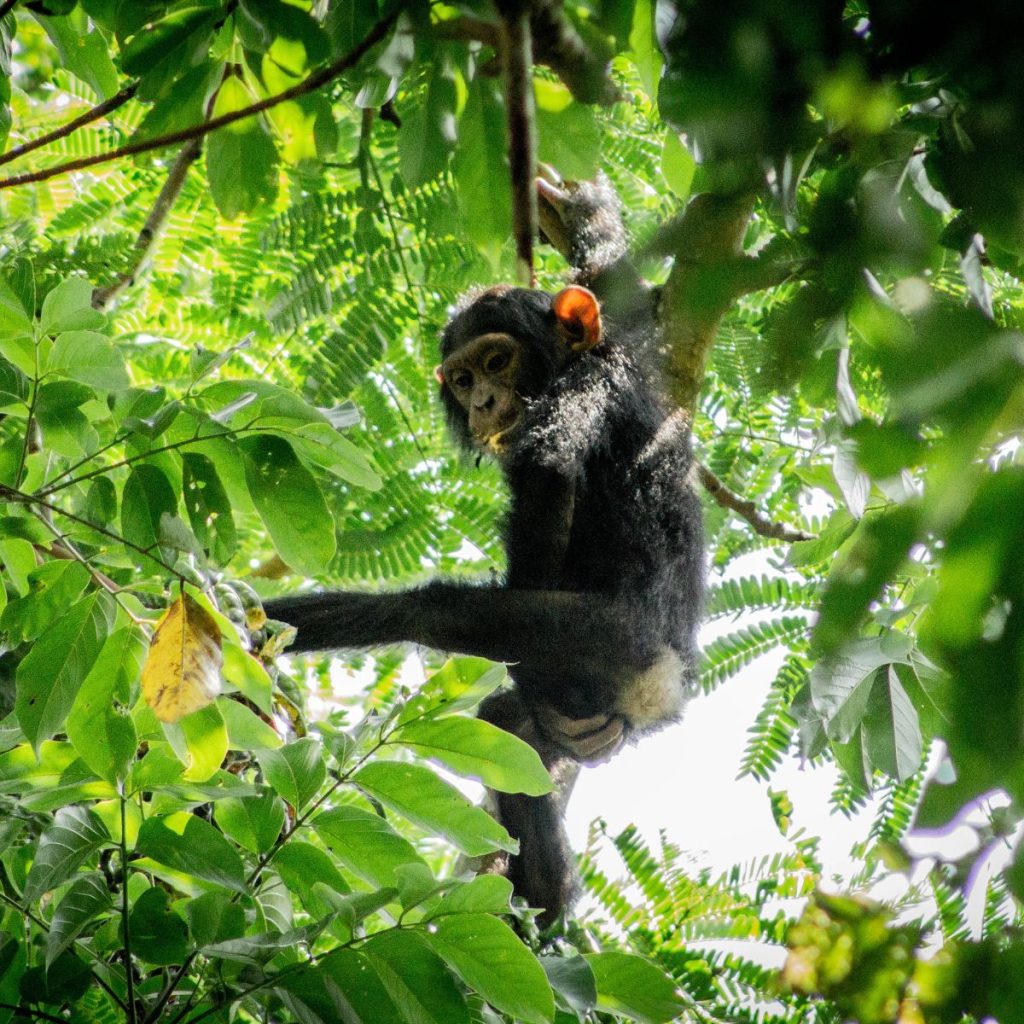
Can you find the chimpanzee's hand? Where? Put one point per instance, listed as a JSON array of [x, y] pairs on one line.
[[590, 741]]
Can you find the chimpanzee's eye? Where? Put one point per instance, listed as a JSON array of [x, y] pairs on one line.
[[496, 362], [463, 379]]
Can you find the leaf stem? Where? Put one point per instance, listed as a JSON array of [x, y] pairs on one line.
[[125, 925], [307, 85]]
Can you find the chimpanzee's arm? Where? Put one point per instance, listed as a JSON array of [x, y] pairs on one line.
[[539, 526]]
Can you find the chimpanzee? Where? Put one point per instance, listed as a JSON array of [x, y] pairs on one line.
[[598, 610]]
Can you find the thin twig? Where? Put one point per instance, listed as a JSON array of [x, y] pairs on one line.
[[146, 242], [92, 114], [197, 131], [729, 499]]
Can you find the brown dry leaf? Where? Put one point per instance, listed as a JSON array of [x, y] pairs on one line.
[[182, 670]]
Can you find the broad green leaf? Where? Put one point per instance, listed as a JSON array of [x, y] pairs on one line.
[[290, 504], [85, 900], [246, 730], [632, 987], [568, 135], [572, 979], [279, 20], [90, 358], [15, 319], [200, 740], [99, 724], [416, 979], [248, 676], [68, 307], [189, 844], [322, 445], [184, 104], [302, 866], [53, 588], [208, 507], [101, 501], [365, 843], [644, 46], [170, 37], [147, 496], [254, 823], [481, 168], [485, 894], [892, 732], [66, 980], [241, 162], [83, 51], [76, 833], [296, 770], [470, 746], [677, 165], [214, 917], [53, 670], [159, 935], [427, 135], [420, 795], [491, 959]]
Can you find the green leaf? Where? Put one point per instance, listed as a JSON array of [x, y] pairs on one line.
[[68, 307], [15, 319], [290, 504], [573, 981], [365, 843], [892, 732], [75, 834], [186, 843], [246, 730], [677, 165], [169, 38], [241, 159], [322, 445], [101, 501], [428, 801], [214, 917], [470, 746], [84, 901], [633, 987], [481, 168], [147, 496], [248, 676], [208, 507], [49, 677], [490, 958], [66, 980], [184, 104], [53, 588], [296, 770], [99, 724], [568, 135], [644, 46], [254, 823], [277, 19], [83, 51], [485, 894], [301, 867], [427, 135], [416, 979], [200, 740], [159, 935], [90, 358]]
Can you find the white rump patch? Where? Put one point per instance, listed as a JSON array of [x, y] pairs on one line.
[[657, 695]]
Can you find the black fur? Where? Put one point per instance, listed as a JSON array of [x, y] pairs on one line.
[[605, 555]]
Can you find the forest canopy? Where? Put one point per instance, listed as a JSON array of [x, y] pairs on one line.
[[231, 232]]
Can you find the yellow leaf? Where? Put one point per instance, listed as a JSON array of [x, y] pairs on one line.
[[182, 670]]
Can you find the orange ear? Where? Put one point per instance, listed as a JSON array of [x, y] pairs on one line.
[[579, 317], [439, 375]]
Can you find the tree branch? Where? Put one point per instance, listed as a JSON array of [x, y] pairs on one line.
[[700, 288], [146, 242], [307, 85], [517, 58], [92, 114], [729, 499]]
